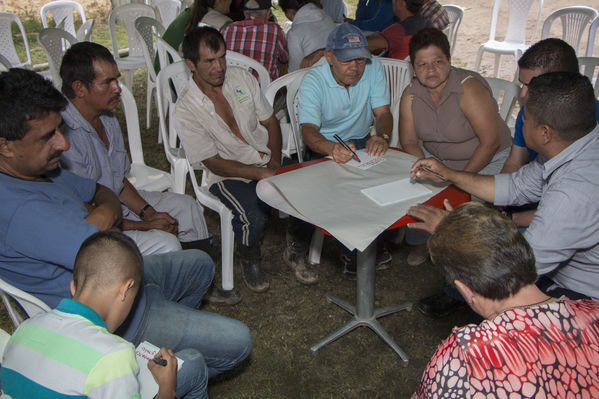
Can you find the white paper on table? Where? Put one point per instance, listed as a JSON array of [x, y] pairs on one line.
[[396, 191], [328, 195], [148, 388], [367, 161]]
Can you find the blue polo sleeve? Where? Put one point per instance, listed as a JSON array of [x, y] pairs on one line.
[[310, 99]]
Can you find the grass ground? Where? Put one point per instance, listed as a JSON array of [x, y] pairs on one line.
[[290, 317]]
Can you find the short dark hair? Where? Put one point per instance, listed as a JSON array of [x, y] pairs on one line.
[[427, 37], [78, 64], [211, 38], [563, 100], [290, 4], [25, 95], [484, 250], [107, 258], [550, 55]]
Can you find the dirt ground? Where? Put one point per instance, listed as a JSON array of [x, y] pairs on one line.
[[288, 319]]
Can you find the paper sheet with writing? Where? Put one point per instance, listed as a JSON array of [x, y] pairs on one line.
[[329, 195], [366, 161], [148, 388]]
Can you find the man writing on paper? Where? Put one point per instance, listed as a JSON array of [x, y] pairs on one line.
[[559, 124], [79, 354], [339, 98]]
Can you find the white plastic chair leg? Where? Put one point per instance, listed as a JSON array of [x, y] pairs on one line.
[[149, 93], [315, 247], [128, 75], [227, 242], [496, 69], [479, 57]]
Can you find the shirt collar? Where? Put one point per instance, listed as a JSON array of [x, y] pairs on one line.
[[74, 120], [74, 307], [570, 152]]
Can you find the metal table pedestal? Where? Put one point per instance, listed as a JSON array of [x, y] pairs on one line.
[[364, 312]]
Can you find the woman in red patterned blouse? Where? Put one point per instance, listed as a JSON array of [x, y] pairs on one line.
[[530, 345]]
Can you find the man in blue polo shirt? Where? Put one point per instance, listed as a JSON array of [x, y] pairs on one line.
[[340, 98]]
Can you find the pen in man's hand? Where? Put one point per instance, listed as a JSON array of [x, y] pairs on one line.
[[432, 172], [347, 147], [159, 361]]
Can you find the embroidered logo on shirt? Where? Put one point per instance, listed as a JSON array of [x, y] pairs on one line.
[[242, 95]]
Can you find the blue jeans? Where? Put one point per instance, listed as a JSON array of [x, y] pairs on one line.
[[209, 343]]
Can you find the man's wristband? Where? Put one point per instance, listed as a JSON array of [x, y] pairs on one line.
[[142, 213]]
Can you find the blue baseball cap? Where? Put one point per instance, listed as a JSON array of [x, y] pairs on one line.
[[347, 42]]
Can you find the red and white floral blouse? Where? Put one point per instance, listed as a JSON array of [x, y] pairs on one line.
[[542, 351]]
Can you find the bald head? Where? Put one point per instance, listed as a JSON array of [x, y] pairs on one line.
[[105, 259]]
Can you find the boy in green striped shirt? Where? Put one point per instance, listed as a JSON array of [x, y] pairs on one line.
[[71, 352]]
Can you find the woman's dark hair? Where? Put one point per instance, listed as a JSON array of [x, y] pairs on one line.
[[427, 37], [198, 11], [484, 250]]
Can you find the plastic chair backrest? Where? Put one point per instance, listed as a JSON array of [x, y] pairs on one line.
[[7, 45], [127, 14], [132, 122], [30, 304], [245, 62], [62, 11], [399, 75], [455, 14], [4, 64], [517, 17], [592, 35], [589, 67], [149, 28], [55, 42], [574, 21], [291, 81], [84, 33], [505, 94], [166, 10], [166, 53]]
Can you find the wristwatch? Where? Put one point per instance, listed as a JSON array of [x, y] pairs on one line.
[[385, 136]]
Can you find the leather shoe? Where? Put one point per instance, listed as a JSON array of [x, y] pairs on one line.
[[253, 276], [439, 305], [219, 296]]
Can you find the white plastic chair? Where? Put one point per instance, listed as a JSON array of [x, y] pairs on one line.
[[171, 80], [7, 45], [589, 67], [455, 14], [166, 10], [149, 28], [399, 75], [250, 64], [4, 64], [505, 93], [30, 304], [574, 21], [62, 11], [592, 35], [292, 138], [55, 43], [127, 14], [84, 33], [142, 176], [515, 37], [165, 51]]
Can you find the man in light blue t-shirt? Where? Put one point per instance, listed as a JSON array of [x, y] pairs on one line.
[[340, 98]]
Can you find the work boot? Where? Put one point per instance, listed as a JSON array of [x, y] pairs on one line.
[[253, 276], [219, 296], [295, 257]]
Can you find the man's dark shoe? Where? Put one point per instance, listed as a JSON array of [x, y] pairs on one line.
[[439, 305], [296, 260], [253, 276], [222, 297]]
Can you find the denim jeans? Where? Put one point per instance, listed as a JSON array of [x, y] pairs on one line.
[[209, 343]]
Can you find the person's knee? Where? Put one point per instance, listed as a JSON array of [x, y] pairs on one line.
[[192, 378], [199, 261]]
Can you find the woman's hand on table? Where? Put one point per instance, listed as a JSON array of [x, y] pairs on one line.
[[429, 168]]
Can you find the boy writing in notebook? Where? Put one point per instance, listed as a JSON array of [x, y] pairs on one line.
[[71, 350]]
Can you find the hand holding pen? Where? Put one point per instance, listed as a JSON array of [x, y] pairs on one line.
[[428, 168], [347, 148]]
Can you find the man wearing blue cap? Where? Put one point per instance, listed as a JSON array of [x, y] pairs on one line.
[[340, 98]]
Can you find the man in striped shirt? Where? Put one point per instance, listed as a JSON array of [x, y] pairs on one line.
[[71, 350], [257, 37]]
